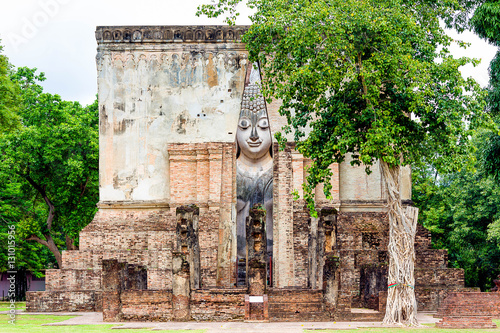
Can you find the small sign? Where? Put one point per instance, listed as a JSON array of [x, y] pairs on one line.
[[256, 299]]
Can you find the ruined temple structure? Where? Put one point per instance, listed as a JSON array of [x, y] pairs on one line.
[[196, 217]]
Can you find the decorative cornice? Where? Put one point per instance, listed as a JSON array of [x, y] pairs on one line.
[[165, 204], [158, 204], [170, 34]]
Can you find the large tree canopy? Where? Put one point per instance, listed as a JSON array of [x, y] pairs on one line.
[[51, 166], [486, 21], [9, 97], [372, 80], [352, 72], [462, 210], [486, 24]]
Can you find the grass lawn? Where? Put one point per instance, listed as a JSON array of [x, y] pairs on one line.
[[33, 324], [4, 306], [406, 330]]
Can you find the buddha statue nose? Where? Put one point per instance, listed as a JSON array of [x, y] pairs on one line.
[[253, 135]]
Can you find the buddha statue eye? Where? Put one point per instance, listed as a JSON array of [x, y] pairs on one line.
[[263, 123], [244, 123]]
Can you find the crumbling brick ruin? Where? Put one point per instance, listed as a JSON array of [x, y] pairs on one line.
[[164, 244], [469, 310]]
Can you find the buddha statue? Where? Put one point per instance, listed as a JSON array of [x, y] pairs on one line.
[[254, 164]]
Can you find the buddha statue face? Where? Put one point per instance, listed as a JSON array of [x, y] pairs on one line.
[[253, 135]]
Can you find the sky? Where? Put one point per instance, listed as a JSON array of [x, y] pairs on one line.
[[57, 37]]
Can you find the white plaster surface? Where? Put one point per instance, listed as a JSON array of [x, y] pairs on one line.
[[150, 98], [356, 184]]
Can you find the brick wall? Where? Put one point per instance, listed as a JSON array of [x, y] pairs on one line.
[[471, 303], [296, 304], [72, 279], [146, 305], [144, 235], [218, 304], [469, 310], [63, 301], [431, 298]]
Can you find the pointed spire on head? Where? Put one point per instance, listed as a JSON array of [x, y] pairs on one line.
[[255, 74], [253, 102]]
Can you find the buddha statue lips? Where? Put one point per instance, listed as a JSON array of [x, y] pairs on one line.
[[254, 143]]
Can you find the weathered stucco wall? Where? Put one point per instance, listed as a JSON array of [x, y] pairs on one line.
[[165, 85], [153, 91], [360, 191]]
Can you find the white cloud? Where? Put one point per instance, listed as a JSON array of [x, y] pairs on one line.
[[57, 37], [479, 49]]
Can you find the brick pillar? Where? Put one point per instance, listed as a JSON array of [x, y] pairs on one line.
[[181, 291], [187, 240], [226, 259], [256, 250], [313, 255], [283, 254], [331, 275], [112, 280], [202, 174], [347, 281], [298, 172], [382, 301], [215, 167]]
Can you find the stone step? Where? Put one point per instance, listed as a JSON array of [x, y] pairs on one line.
[[295, 307], [293, 296], [302, 316], [372, 316]]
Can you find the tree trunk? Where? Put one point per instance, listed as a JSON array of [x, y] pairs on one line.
[[70, 244], [401, 303], [49, 242], [53, 248]]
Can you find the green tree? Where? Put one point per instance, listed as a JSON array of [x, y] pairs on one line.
[[461, 209], [485, 22], [52, 161], [9, 97], [373, 80], [14, 203]]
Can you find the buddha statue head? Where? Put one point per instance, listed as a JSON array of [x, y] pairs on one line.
[[253, 134]]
